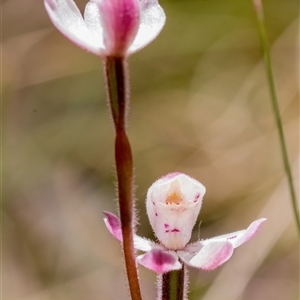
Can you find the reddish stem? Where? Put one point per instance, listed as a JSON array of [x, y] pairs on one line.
[[118, 91]]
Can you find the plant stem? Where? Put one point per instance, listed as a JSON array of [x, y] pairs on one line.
[[117, 89], [266, 50], [174, 285], [117, 94]]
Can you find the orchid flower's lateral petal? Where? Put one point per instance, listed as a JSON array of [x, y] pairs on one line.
[[144, 244], [152, 20], [239, 237], [92, 19], [113, 225], [246, 234], [67, 18], [209, 256], [160, 261], [173, 204]]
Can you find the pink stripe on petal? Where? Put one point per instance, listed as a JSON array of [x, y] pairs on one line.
[[120, 20], [113, 225], [160, 261], [210, 256]]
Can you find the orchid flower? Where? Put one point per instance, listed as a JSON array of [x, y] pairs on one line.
[[109, 27], [173, 204]]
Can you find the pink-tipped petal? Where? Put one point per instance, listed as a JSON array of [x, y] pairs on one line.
[[247, 234], [67, 18], [209, 256], [238, 238], [113, 225], [160, 261], [152, 20]]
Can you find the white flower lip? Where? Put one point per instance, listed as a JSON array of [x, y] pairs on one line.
[[173, 204]]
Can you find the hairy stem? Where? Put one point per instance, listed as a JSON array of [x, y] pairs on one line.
[[118, 91], [173, 285], [268, 65]]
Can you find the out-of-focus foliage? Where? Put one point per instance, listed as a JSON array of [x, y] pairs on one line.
[[200, 105]]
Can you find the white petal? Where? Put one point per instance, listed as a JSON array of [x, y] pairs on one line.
[[152, 21], [93, 21], [67, 18], [209, 256], [238, 238], [160, 261], [143, 244]]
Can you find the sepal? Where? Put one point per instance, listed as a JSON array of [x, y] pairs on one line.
[[208, 256], [240, 237], [160, 261]]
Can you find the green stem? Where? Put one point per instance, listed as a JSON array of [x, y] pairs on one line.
[[266, 50], [174, 285], [117, 91]]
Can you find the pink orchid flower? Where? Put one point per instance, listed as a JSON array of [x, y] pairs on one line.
[[109, 27], [173, 204]]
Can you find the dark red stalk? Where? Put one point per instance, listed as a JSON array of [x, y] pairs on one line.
[[118, 97]]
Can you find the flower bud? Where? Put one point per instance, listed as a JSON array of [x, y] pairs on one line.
[[173, 204]]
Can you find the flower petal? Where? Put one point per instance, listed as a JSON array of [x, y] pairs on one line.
[[160, 261], [143, 244], [152, 21], [209, 256], [92, 19], [247, 234], [113, 225], [67, 18], [239, 237], [120, 21]]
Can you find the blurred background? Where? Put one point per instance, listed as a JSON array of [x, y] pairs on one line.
[[200, 105]]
